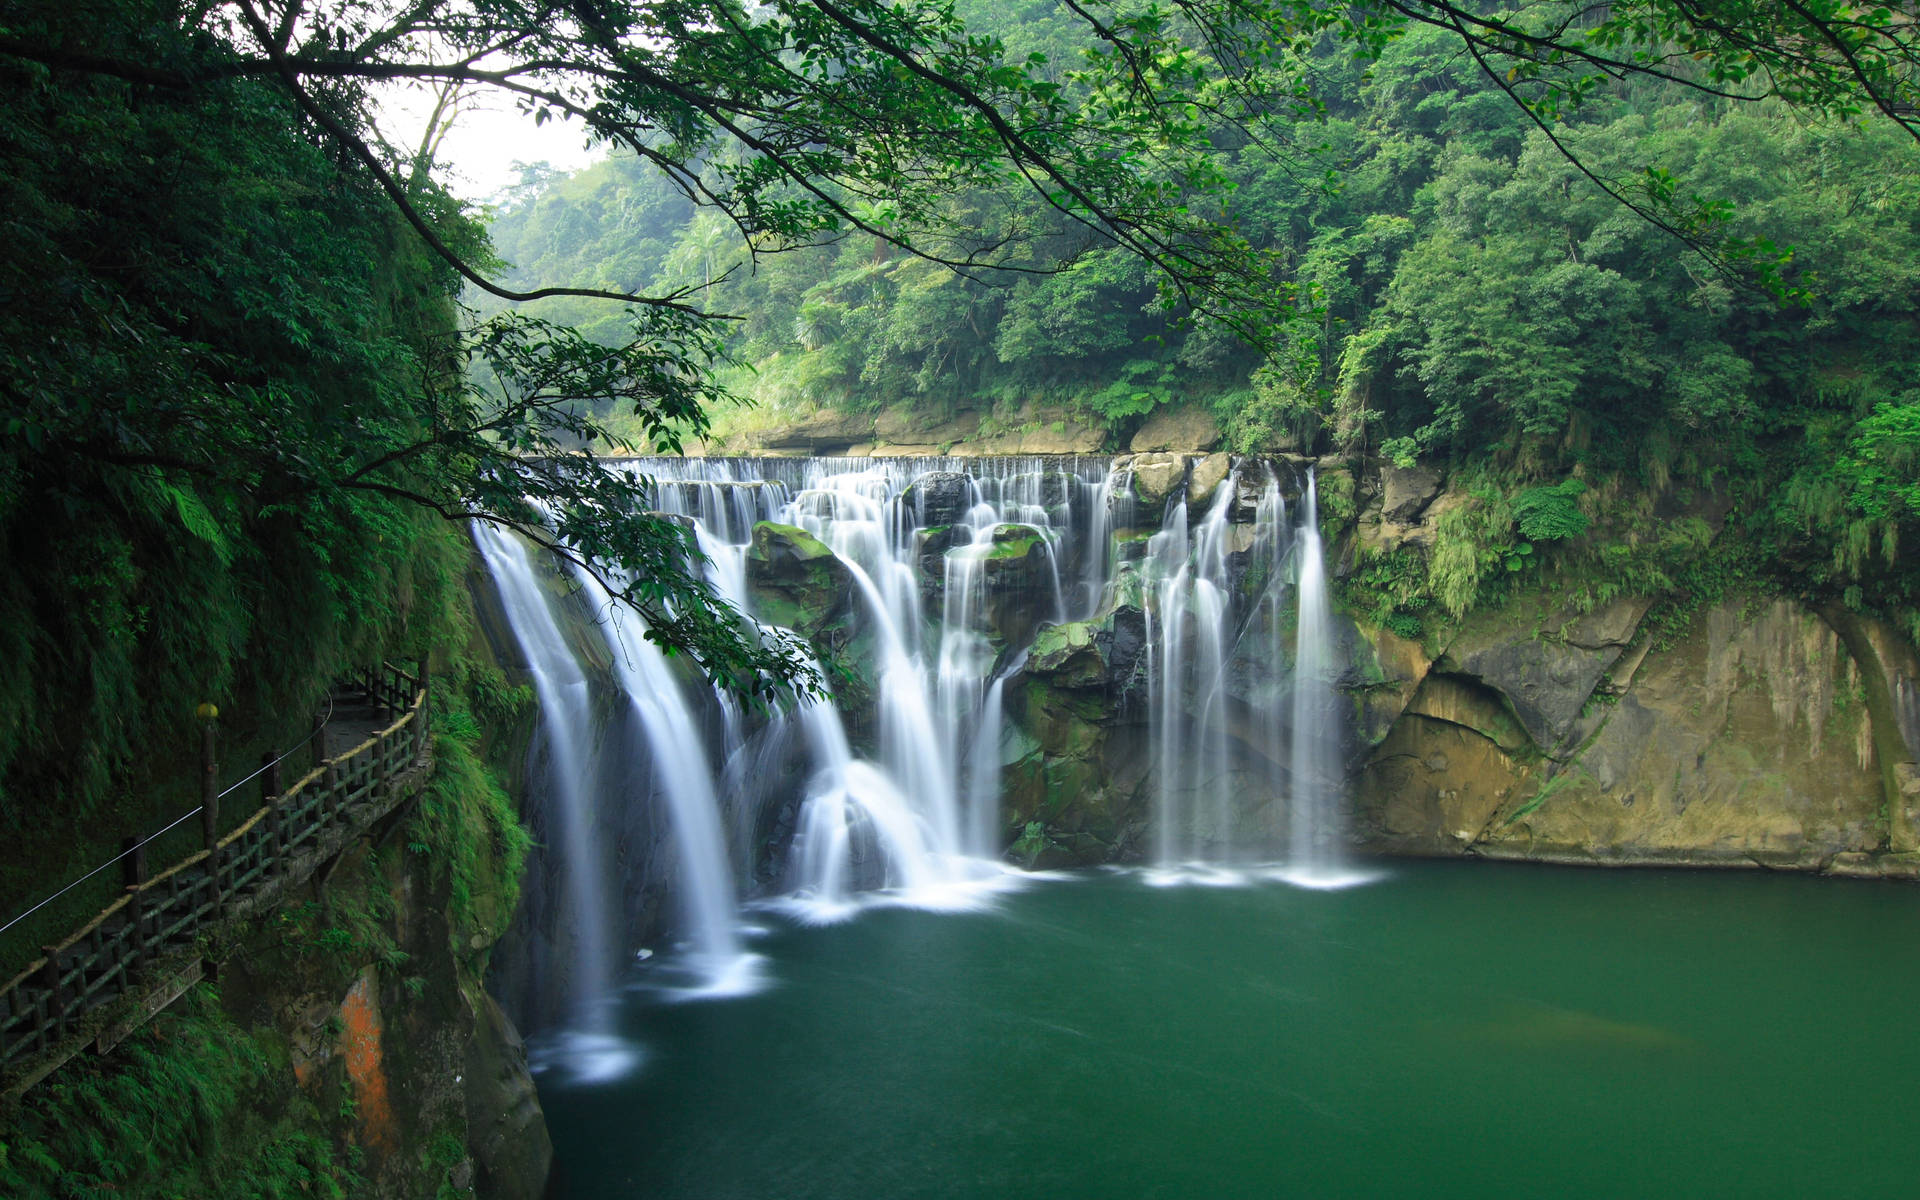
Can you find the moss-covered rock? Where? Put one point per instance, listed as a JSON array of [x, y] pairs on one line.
[[1068, 656], [1076, 752], [795, 580], [1011, 575]]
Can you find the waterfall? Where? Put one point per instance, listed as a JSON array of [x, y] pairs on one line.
[[1191, 630], [566, 747], [858, 830], [676, 748], [893, 795], [1316, 854], [922, 819]]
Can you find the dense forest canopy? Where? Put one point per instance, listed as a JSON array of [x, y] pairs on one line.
[[1669, 299], [239, 394]]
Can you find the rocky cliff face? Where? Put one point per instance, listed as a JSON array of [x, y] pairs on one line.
[[1767, 734], [424, 1077]]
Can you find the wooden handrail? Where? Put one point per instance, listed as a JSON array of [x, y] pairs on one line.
[[43, 1000]]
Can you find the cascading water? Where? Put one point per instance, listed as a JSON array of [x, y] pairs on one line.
[[680, 766], [1316, 854], [949, 567], [923, 818], [566, 732], [1191, 631]]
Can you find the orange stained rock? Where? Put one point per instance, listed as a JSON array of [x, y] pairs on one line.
[[360, 1043]]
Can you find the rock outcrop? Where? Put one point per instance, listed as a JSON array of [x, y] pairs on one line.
[[1546, 673], [938, 498], [1075, 751], [1177, 427], [826, 431], [796, 581], [1747, 741]]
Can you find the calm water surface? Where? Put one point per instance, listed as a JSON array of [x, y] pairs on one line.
[[1464, 1030]]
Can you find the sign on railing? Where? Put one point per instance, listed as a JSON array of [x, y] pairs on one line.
[[40, 1006]]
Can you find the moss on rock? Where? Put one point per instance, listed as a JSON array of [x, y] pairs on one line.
[[795, 580]]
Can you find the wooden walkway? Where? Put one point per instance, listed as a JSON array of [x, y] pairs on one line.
[[140, 953]]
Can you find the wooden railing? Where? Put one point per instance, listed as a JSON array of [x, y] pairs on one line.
[[281, 844]]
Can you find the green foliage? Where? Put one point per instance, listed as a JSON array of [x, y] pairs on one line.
[[1882, 464], [1551, 513], [1470, 540], [1402, 452], [1390, 590], [175, 1112], [1335, 492], [465, 824], [1139, 386], [181, 349], [1723, 568]]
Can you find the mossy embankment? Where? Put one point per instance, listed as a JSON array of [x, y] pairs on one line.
[[343, 1044]]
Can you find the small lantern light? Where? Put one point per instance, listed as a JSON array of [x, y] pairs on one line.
[[207, 712]]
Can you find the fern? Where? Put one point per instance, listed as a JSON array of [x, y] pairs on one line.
[[1551, 513]]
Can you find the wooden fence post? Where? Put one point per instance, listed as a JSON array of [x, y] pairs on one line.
[[137, 922], [420, 731], [319, 741], [210, 791], [50, 980], [270, 796], [133, 861]]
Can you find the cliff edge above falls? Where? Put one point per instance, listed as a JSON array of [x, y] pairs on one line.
[[933, 430]]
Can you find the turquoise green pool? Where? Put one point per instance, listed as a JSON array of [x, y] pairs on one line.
[[1453, 1029]]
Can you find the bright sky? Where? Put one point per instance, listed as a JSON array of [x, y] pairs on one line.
[[477, 158]]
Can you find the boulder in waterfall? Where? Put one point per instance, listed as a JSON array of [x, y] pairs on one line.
[[1016, 552], [795, 580], [1018, 582], [1075, 753], [1154, 478], [1105, 653], [1068, 656], [1056, 490], [1248, 488], [1207, 476], [938, 498], [1130, 545]]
